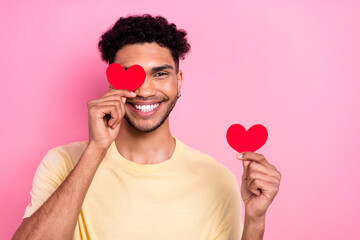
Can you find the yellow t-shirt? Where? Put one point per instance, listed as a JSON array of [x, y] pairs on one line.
[[189, 196]]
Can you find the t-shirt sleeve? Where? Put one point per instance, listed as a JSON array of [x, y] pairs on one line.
[[230, 216], [51, 172]]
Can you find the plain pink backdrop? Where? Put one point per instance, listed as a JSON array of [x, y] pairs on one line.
[[292, 66]]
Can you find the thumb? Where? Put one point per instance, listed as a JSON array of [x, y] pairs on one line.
[[123, 99]]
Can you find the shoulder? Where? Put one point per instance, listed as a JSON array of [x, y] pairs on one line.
[[71, 151], [62, 159]]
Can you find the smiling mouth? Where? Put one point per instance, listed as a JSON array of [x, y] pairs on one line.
[[145, 107]]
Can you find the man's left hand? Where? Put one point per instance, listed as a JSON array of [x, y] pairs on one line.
[[260, 184]]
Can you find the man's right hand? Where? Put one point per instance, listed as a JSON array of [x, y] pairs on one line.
[[105, 115]]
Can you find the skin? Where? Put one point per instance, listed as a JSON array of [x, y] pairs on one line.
[[57, 217], [142, 140], [155, 145], [260, 184]]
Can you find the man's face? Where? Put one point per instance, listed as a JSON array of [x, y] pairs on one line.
[[158, 95]]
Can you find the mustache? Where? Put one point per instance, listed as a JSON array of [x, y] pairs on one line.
[[149, 99]]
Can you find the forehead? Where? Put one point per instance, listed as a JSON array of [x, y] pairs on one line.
[[146, 55]]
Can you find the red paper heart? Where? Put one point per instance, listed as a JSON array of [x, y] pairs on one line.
[[250, 140], [131, 79]]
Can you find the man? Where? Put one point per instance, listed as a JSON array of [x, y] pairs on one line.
[[133, 179]]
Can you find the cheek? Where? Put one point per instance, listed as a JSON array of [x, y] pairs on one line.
[[169, 88]]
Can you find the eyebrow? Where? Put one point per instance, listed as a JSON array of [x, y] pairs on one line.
[[158, 68], [162, 67]]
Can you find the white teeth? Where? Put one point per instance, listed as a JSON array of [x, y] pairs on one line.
[[146, 108]]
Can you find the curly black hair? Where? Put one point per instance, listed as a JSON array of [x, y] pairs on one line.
[[144, 29]]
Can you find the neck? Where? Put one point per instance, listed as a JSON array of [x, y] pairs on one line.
[[145, 148]]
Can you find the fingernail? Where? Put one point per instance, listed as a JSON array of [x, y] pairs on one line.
[[133, 93], [239, 156]]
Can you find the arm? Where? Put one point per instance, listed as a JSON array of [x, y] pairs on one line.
[[253, 229], [57, 217]]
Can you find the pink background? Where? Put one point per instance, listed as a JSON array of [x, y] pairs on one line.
[[292, 66]]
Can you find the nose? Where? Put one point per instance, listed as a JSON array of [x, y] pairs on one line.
[[146, 89]]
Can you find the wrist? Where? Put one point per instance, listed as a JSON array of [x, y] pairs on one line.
[[255, 221], [254, 228], [97, 149], [93, 154], [254, 218]]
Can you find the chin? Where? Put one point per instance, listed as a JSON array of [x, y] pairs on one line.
[[142, 128]]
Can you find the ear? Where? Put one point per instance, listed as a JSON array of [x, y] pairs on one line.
[[179, 78]]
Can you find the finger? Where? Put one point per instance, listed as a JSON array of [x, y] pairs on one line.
[[119, 114], [256, 167], [122, 108], [105, 112], [268, 189], [110, 97], [114, 117], [252, 175], [109, 100], [255, 157], [111, 107], [121, 92]]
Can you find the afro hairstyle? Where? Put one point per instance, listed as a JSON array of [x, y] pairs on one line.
[[138, 29]]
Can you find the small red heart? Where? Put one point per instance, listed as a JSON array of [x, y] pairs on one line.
[[131, 79], [250, 140]]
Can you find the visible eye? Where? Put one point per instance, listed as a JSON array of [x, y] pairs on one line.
[[160, 74]]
